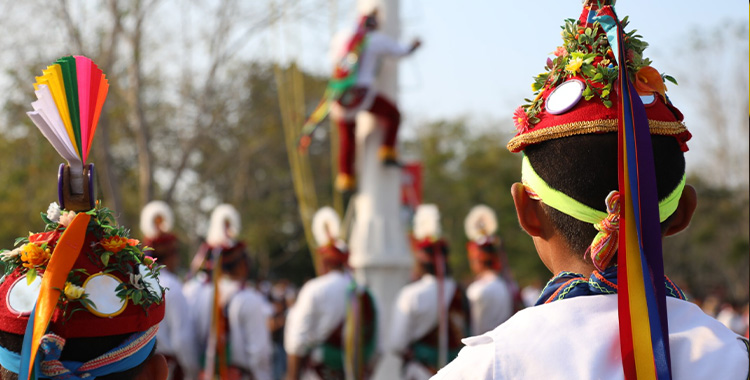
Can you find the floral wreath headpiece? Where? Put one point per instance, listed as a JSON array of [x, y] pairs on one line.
[[576, 93], [82, 276]]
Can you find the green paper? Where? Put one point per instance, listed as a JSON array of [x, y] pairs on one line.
[[70, 80]]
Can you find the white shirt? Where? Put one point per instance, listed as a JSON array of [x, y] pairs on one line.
[[529, 295], [377, 46], [578, 338], [319, 309], [491, 302], [416, 311], [175, 335], [247, 315]]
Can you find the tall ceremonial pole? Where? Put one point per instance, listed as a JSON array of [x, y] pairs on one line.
[[379, 251]]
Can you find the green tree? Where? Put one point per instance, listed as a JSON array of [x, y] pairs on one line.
[[462, 169]]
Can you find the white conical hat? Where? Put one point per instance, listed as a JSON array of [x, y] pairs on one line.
[[224, 226], [480, 223], [427, 222], [148, 217]]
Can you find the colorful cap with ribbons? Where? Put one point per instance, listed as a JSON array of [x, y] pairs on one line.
[[81, 276], [480, 226], [600, 82], [326, 229]]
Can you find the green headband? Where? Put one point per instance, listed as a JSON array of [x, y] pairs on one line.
[[569, 206]]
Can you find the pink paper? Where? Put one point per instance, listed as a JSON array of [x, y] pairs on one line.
[[96, 77], [83, 74]]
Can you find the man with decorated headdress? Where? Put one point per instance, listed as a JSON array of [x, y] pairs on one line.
[[330, 330], [175, 339], [79, 299], [230, 316], [490, 297], [431, 315], [357, 61], [603, 182]]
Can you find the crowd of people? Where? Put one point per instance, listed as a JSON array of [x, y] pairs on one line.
[[301, 330], [273, 330]]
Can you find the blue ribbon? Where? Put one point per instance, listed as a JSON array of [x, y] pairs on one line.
[[49, 351], [25, 357]]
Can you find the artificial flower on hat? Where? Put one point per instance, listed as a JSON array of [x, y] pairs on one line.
[[575, 93]]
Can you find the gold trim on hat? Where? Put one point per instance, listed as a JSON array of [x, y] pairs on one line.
[[657, 127]]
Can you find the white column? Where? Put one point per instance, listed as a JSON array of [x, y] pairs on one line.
[[379, 251]]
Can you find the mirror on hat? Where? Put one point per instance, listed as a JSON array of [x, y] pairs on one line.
[[101, 289], [564, 97], [648, 99], [22, 295]]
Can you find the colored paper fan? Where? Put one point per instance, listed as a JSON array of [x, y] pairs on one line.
[[70, 95]]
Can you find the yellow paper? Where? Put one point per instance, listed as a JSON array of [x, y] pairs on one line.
[[53, 78]]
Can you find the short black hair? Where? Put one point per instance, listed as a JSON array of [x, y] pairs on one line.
[[584, 167], [77, 349], [438, 248]]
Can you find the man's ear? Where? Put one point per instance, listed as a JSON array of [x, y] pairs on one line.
[[684, 213], [155, 368], [527, 210]]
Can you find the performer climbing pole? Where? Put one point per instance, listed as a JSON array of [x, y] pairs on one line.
[[351, 90]]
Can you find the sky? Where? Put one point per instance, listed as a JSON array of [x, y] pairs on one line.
[[478, 57], [477, 60]]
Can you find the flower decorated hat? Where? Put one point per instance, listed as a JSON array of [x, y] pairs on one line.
[[480, 226], [577, 92], [600, 82], [326, 227], [80, 275]]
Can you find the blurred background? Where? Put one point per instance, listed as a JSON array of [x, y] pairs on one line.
[[207, 98]]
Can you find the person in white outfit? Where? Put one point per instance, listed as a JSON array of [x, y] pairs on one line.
[[175, 339], [431, 314], [316, 324], [597, 215], [366, 46], [489, 297], [232, 333]]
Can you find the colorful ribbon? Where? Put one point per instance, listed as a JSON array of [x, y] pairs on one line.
[[60, 264], [644, 332], [130, 354]]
